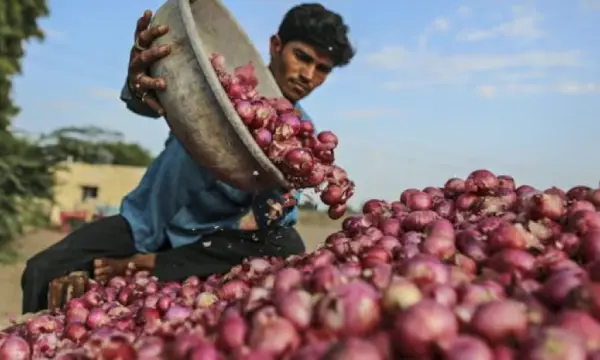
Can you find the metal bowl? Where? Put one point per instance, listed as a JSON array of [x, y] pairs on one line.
[[198, 110]]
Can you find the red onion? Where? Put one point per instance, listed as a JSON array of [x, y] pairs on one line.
[[481, 182], [425, 269], [15, 347], [501, 320], [420, 328], [579, 192], [477, 270], [419, 200], [467, 347], [305, 158], [454, 187], [353, 349], [555, 343], [418, 220], [584, 221], [350, 309], [276, 337], [296, 306]]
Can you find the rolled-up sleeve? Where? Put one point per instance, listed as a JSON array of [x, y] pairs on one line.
[[135, 105]]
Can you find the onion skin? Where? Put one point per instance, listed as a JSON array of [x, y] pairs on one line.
[[353, 349], [555, 343], [500, 321], [351, 309], [467, 347], [418, 329]]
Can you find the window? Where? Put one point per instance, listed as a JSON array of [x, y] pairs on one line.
[[89, 192]]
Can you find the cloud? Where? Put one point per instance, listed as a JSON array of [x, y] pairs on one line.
[[440, 24], [62, 105], [486, 91], [368, 113], [568, 88], [103, 93], [591, 4], [430, 68], [524, 25], [464, 11], [579, 88]]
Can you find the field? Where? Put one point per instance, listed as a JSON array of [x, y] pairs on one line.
[[313, 226]]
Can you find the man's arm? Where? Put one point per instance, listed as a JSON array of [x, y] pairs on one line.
[[136, 105]]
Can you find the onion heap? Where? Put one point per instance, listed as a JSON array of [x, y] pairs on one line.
[[305, 157], [477, 269]]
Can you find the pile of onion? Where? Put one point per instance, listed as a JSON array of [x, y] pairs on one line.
[[305, 157], [477, 269]]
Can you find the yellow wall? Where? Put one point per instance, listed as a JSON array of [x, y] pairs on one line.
[[113, 182]]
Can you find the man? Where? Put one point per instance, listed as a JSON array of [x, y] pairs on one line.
[[180, 221]]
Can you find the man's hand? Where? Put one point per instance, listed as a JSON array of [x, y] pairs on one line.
[[143, 55]]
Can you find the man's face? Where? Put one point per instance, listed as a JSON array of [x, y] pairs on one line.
[[298, 68]]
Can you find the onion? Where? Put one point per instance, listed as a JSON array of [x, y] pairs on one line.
[[418, 220], [296, 306], [555, 343], [353, 349], [512, 260], [424, 269], [506, 182], [467, 347], [263, 138], [419, 200], [582, 324], [579, 192], [465, 201], [15, 348], [305, 159], [583, 221], [549, 206], [476, 270], [420, 328], [507, 236], [589, 246], [400, 294], [500, 320], [232, 331], [481, 182], [391, 227], [556, 289], [350, 309], [454, 187], [276, 337]]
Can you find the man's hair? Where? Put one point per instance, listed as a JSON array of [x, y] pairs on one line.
[[313, 24]]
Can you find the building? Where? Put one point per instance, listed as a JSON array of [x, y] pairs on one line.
[[88, 187]]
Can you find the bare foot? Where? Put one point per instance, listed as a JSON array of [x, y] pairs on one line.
[[106, 268]]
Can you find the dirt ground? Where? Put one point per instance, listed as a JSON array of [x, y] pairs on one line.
[[313, 228]]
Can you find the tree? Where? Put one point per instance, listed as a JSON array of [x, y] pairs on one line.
[[26, 170], [18, 23], [94, 145]]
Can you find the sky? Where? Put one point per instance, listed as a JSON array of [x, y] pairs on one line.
[[437, 89]]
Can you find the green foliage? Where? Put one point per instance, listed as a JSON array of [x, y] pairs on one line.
[[26, 170], [18, 23], [26, 176]]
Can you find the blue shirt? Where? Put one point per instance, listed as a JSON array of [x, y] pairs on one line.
[[178, 202]]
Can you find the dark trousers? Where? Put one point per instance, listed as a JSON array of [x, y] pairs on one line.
[[111, 238]]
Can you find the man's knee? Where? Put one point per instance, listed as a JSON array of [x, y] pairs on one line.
[[36, 268], [289, 242]]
